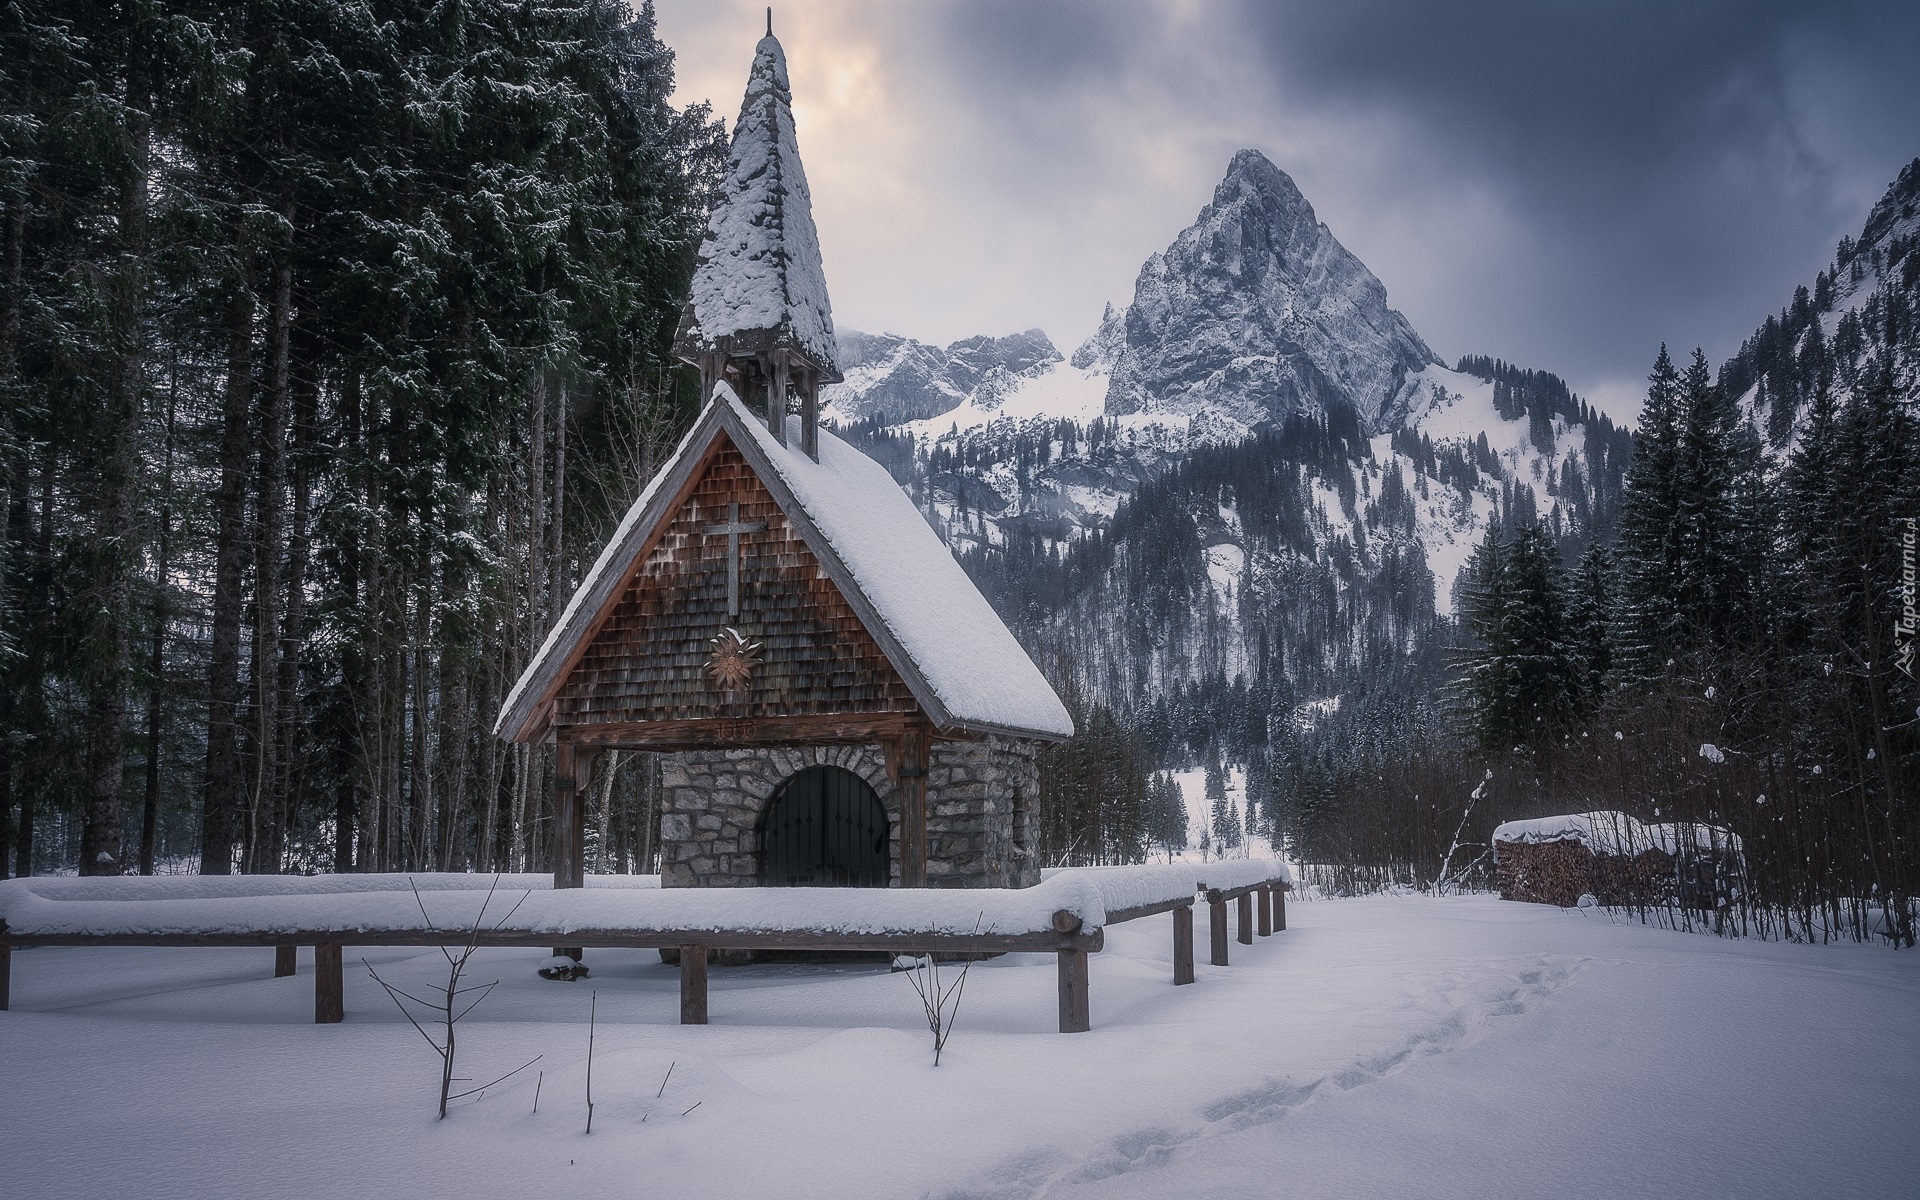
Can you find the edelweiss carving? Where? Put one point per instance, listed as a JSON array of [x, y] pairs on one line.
[[731, 661]]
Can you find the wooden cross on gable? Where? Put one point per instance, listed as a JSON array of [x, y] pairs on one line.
[[733, 528]]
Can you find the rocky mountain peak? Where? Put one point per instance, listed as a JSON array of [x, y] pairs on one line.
[[1898, 210], [1256, 311], [901, 379]]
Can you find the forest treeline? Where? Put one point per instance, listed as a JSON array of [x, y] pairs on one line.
[[332, 337], [1739, 655]]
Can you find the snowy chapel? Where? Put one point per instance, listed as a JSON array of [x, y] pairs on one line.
[[837, 704]]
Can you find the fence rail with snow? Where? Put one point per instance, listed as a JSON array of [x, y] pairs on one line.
[[1066, 914]]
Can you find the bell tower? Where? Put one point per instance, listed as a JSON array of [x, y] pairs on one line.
[[758, 315]]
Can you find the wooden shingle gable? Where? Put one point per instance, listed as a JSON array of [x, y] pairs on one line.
[[622, 664], [650, 660]]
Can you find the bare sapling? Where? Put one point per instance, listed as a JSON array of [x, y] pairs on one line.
[[593, 1006], [940, 998], [1447, 873], [453, 1001]]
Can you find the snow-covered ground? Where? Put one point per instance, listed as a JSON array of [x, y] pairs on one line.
[[1392, 1046]]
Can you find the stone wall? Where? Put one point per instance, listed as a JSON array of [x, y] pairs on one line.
[[979, 801]]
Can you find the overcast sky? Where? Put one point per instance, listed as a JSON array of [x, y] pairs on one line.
[[1565, 185]]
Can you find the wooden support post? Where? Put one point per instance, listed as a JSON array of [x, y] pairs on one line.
[[1217, 926], [329, 985], [283, 961], [1183, 945], [572, 767], [1245, 915], [1266, 911], [907, 758], [693, 985], [1076, 1015], [777, 398], [6, 975], [810, 413], [1279, 908]]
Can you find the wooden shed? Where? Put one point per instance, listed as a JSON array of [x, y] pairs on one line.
[[839, 703]]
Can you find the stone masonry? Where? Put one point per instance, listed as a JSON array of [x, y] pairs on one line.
[[979, 803]]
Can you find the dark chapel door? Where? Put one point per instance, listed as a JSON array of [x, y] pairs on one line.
[[824, 828]]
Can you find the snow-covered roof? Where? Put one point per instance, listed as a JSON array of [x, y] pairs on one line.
[[759, 284], [1616, 833], [964, 667]]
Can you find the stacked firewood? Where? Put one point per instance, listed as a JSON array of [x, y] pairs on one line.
[[1560, 872]]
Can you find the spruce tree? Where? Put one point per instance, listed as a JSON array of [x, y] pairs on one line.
[[1647, 547]]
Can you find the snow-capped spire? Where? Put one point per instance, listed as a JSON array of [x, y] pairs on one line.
[[759, 289]]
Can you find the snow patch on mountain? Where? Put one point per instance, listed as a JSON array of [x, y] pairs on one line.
[[1059, 391]]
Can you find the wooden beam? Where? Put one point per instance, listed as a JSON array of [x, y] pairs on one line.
[[1217, 927], [810, 413], [1116, 916], [283, 961], [571, 768], [1076, 1014], [907, 759], [1245, 921], [1280, 907], [1266, 911], [713, 733], [329, 985], [776, 394], [693, 985], [1183, 944], [1041, 941]]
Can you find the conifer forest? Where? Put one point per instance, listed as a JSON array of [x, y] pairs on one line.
[[335, 341]]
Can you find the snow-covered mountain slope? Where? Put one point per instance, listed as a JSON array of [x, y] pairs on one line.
[[899, 379], [1858, 314], [1257, 311], [1255, 461]]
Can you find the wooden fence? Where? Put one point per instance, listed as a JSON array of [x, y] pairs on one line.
[[1069, 938]]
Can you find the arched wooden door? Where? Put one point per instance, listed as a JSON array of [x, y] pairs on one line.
[[824, 827]]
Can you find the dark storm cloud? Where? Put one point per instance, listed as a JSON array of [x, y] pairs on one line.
[[1645, 172]]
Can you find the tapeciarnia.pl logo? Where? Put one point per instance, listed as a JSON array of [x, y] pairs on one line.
[[1909, 619]]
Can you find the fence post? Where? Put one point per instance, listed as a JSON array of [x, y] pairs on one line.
[[693, 985], [1183, 944], [1266, 910], [1280, 907], [6, 972], [329, 986], [1217, 925], [1245, 915], [283, 961], [1076, 1015]]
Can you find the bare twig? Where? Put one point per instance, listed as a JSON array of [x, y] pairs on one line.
[[663, 1081], [593, 1004], [941, 1002], [509, 1075], [448, 1008]]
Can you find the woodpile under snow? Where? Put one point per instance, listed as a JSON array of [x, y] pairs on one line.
[[1615, 859]]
